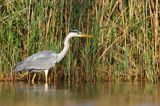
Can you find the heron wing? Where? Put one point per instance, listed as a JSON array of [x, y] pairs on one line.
[[45, 62], [40, 60]]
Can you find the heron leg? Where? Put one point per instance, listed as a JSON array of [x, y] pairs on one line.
[[46, 74], [33, 78]]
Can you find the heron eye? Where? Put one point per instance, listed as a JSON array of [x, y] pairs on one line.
[[79, 32]]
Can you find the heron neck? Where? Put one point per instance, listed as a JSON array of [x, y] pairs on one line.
[[65, 49]]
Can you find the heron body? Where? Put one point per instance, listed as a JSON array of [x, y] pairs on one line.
[[38, 61], [44, 60]]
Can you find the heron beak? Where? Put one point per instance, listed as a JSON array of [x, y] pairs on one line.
[[85, 35]]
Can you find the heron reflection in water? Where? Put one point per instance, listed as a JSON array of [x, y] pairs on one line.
[[44, 60]]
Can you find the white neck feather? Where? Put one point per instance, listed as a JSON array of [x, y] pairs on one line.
[[66, 47]]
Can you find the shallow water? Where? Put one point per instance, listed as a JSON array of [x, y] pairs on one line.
[[65, 94]]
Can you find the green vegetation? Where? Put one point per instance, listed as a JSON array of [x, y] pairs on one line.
[[125, 45]]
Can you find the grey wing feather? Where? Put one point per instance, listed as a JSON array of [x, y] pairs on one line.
[[40, 60]]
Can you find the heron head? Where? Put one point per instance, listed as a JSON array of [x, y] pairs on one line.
[[77, 33]]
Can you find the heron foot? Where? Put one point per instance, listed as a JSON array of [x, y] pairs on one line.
[[46, 87]]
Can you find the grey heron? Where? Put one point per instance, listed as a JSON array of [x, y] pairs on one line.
[[44, 60]]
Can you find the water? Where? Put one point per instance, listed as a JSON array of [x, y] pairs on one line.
[[65, 94]]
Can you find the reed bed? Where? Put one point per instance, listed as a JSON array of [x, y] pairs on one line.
[[126, 43]]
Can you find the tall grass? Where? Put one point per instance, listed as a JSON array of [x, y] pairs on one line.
[[125, 44]]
